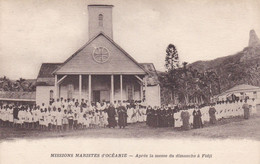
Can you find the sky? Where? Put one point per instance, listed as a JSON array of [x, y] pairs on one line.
[[39, 31]]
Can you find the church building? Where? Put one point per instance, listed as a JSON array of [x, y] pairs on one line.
[[100, 70]]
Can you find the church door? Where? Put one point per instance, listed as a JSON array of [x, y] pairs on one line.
[[96, 96]]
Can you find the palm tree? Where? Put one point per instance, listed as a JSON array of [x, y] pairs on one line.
[[5, 84]]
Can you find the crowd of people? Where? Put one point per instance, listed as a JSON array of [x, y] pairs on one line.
[[196, 116], [66, 114]]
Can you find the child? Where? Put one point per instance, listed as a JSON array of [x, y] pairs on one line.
[[65, 121], [86, 121], [91, 119], [101, 119], [54, 118], [47, 119], [29, 118], [41, 119], [1, 115], [70, 119], [4, 116], [75, 120], [96, 119], [81, 118], [59, 116]]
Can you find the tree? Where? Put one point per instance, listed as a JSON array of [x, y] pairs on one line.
[[18, 85], [5, 84], [190, 85], [172, 58]]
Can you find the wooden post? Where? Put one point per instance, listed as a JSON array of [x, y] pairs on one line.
[[159, 94], [80, 87], [56, 88], [145, 83], [89, 88], [112, 89], [121, 88], [141, 90]]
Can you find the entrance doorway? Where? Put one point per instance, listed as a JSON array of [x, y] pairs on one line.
[[96, 96], [100, 95]]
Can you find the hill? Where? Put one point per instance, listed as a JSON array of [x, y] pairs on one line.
[[240, 68]]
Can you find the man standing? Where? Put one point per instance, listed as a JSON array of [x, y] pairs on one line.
[[197, 122], [111, 112], [149, 117], [122, 116], [15, 115], [212, 115], [246, 110], [185, 116], [170, 117]]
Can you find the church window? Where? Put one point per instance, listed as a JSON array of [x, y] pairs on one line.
[[100, 20], [130, 92]]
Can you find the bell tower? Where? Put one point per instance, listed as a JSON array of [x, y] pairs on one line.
[[100, 19]]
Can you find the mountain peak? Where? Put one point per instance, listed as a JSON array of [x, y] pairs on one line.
[[253, 39]]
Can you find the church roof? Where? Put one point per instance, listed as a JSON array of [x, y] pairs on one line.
[[82, 61], [45, 76]]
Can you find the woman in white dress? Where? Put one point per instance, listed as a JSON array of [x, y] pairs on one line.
[[20, 115], [105, 118], [5, 116], [10, 116], [30, 118], [81, 119], [254, 111], [134, 115], [129, 114], [178, 121]]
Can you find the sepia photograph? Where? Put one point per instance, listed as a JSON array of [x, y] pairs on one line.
[[121, 81]]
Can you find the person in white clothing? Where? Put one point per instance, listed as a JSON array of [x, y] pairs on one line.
[[59, 117]]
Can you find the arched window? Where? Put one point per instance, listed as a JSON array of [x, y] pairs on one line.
[[100, 20]]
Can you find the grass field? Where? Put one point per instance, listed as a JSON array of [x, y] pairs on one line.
[[236, 128]]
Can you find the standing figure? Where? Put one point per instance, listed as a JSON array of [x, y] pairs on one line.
[[254, 111], [59, 117], [149, 113], [197, 122], [212, 114], [170, 117], [122, 116], [111, 116], [246, 110], [70, 119], [65, 120], [185, 116]]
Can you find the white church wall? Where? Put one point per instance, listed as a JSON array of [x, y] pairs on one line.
[[153, 95], [43, 94]]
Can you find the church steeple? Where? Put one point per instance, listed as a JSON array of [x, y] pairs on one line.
[[100, 20]]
